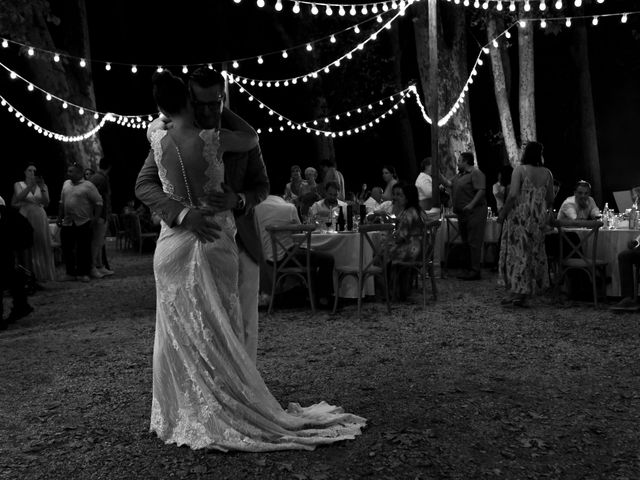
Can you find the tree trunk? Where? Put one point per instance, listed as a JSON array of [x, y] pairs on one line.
[[456, 135], [502, 99], [588, 132], [527, 102], [407, 147], [66, 80]]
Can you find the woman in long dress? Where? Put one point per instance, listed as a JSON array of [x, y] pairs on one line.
[[207, 393], [523, 260], [31, 197]]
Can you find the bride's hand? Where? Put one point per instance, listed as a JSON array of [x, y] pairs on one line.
[[204, 229]]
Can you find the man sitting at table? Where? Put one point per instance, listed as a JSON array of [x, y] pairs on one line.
[[374, 201], [275, 210], [324, 207], [581, 206]]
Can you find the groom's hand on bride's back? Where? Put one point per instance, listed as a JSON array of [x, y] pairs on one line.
[[205, 230]]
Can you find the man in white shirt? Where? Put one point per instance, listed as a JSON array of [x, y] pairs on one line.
[[424, 184], [374, 201], [275, 210], [581, 206], [323, 208]]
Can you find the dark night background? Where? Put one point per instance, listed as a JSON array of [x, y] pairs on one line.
[[143, 33]]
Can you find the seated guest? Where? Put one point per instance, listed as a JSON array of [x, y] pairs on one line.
[[324, 207], [424, 184], [626, 261], [331, 174], [275, 211], [405, 244], [292, 189], [374, 201], [635, 194], [581, 206], [309, 185]]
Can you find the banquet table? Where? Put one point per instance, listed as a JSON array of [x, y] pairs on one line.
[[344, 247], [610, 243], [492, 232]]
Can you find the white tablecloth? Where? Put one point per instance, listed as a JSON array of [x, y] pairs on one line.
[[491, 235], [610, 243], [345, 250]]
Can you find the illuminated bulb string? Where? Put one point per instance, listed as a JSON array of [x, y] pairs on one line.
[[285, 82], [127, 120], [48, 133], [319, 131], [185, 68]]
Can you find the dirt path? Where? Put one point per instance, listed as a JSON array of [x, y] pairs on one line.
[[466, 390]]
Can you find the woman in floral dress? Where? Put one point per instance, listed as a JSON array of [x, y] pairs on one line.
[[523, 260]]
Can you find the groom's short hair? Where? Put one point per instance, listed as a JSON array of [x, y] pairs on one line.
[[206, 77]]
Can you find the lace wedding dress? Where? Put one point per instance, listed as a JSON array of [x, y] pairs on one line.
[[206, 391]]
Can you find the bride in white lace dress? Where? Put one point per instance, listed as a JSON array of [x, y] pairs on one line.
[[207, 393]]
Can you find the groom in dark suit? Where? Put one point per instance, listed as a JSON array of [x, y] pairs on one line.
[[246, 185]]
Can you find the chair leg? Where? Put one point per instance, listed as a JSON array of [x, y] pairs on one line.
[[311, 297], [359, 294], [423, 275], [273, 294], [336, 286]]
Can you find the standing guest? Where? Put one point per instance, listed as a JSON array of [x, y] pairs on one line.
[[310, 184], [406, 243], [275, 211], [31, 196], [101, 181], [500, 189], [424, 184], [80, 209], [627, 260], [292, 189], [88, 173], [470, 205], [15, 234], [390, 179], [374, 201], [324, 207], [331, 174], [523, 260], [581, 206]]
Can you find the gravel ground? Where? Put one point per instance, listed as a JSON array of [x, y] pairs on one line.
[[466, 389]]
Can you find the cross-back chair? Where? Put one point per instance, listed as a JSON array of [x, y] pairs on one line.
[[376, 267], [290, 264], [578, 251]]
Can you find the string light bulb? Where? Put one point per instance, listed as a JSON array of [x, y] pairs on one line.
[[83, 63], [314, 9], [107, 67], [568, 22], [56, 58], [260, 60], [30, 52], [30, 87], [352, 11], [159, 69], [235, 64], [309, 47], [485, 5], [577, 3], [260, 3], [5, 44], [624, 18], [328, 12], [512, 6], [543, 23], [296, 7], [527, 6], [284, 54], [342, 11], [278, 6], [594, 22], [332, 39], [185, 70], [543, 6], [134, 69], [499, 6], [558, 5]]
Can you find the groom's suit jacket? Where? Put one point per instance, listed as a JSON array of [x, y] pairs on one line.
[[245, 173]]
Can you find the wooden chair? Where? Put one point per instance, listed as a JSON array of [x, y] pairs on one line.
[[453, 237], [291, 265], [134, 234], [423, 266], [577, 254], [376, 267], [117, 231]]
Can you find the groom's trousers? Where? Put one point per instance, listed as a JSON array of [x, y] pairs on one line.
[[248, 286]]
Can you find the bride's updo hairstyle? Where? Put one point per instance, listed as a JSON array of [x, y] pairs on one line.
[[169, 92]]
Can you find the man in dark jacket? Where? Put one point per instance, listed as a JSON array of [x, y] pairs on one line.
[[15, 234]]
